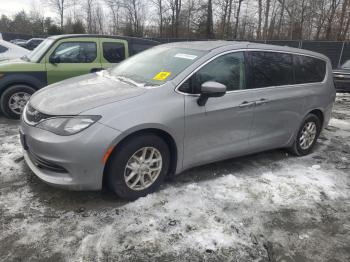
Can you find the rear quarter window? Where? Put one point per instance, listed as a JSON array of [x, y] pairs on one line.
[[309, 69], [113, 52]]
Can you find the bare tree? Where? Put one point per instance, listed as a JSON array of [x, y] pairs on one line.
[[99, 18], [252, 19], [342, 19], [237, 18], [281, 18], [114, 7], [331, 13], [258, 33], [267, 12], [209, 26], [175, 7], [190, 11], [160, 9], [59, 6], [88, 6], [134, 10], [224, 5]]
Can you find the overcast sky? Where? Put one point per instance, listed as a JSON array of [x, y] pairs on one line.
[[10, 7]]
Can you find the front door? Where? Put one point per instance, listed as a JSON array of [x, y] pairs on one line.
[[72, 58], [221, 128]]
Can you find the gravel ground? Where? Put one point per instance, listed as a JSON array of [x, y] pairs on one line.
[[264, 207]]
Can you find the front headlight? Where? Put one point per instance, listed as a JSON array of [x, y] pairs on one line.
[[66, 125]]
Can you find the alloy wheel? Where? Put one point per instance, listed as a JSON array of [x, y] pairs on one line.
[[17, 102], [308, 135], [143, 168]]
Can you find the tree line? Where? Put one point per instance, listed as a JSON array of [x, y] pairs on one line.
[[220, 19]]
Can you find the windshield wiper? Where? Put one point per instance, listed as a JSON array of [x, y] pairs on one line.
[[129, 81]]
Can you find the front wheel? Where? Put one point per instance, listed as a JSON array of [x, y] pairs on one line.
[[14, 99], [307, 135], [138, 167]]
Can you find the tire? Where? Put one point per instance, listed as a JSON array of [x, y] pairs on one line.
[[300, 149], [23, 93], [119, 170]]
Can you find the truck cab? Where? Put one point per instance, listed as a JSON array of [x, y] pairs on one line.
[[58, 58]]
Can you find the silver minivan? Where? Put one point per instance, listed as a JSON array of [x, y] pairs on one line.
[[173, 107]]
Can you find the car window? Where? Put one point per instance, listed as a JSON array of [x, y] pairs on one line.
[[270, 69], [309, 69], [155, 66], [227, 69], [38, 52], [113, 52], [75, 52], [3, 49], [34, 42]]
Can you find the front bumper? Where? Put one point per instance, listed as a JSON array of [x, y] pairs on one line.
[[72, 162]]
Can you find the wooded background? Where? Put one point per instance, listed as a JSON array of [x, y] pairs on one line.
[[192, 19]]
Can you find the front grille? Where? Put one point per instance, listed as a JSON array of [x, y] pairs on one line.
[[33, 116], [43, 163]]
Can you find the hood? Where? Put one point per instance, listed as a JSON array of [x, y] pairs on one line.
[[78, 94], [11, 55], [16, 61], [19, 65]]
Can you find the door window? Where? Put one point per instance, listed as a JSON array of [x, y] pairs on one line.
[[113, 52], [270, 69], [227, 69], [309, 69], [75, 52]]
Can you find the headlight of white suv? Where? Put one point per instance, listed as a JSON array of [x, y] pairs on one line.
[[67, 125]]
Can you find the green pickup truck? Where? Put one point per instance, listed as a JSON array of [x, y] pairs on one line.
[[58, 58]]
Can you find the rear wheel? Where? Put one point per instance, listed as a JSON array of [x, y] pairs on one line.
[[14, 99], [138, 167], [307, 135]]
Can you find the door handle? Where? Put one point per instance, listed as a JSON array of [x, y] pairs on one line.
[[247, 104], [262, 101]]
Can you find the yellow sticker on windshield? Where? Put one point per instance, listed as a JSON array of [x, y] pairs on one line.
[[161, 76]]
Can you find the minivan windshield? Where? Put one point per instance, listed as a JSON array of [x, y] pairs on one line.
[[155, 66], [37, 53]]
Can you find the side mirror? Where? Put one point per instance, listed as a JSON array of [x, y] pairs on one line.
[[210, 89], [54, 59]]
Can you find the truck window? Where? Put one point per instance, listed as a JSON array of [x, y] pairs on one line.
[[113, 52], [75, 52]]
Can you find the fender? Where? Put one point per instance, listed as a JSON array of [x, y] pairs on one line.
[[155, 127], [36, 80]]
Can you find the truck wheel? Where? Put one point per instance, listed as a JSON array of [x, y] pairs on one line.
[[14, 99], [138, 167]]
